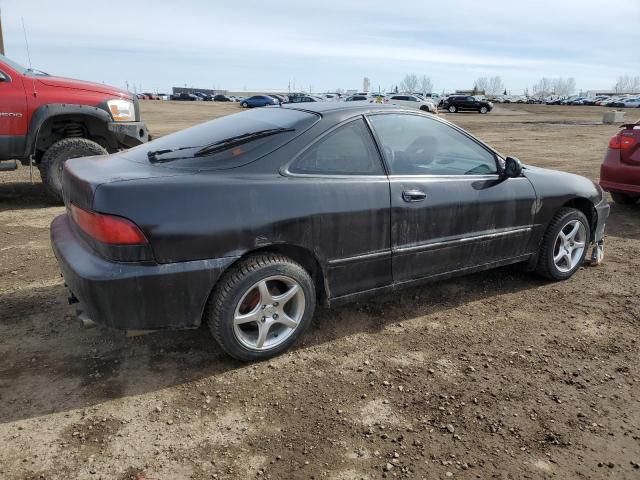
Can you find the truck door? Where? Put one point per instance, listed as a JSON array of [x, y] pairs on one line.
[[13, 115]]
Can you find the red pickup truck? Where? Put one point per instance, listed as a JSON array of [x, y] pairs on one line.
[[48, 120]]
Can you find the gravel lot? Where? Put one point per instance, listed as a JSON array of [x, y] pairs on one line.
[[495, 375]]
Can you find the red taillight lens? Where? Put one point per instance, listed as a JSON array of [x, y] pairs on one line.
[[108, 228], [614, 143], [621, 142]]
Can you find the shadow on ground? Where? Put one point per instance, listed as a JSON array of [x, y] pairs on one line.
[[45, 349]]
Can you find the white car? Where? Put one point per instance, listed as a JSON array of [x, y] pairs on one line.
[[413, 101], [632, 102]]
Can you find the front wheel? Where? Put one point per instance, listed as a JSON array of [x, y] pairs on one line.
[[244, 105], [564, 245], [261, 306], [623, 198], [52, 163], [483, 110], [453, 109]]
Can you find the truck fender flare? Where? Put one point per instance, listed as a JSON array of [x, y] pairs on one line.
[[48, 111]]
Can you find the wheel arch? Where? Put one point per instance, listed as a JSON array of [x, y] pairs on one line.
[[586, 207], [305, 257], [50, 123]]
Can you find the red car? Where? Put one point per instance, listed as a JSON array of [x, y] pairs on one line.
[[620, 170]]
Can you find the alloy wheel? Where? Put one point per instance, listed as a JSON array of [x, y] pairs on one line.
[[569, 246], [269, 312]]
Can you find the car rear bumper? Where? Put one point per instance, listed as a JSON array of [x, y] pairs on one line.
[[130, 134], [620, 187], [134, 296]]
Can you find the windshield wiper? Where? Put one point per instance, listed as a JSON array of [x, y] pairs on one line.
[[210, 149]]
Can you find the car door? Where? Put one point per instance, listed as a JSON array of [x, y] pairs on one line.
[[450, 209], [347, 190], [13, 114], [400, 100]]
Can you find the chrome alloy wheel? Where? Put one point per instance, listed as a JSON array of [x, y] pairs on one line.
[[269, 312], [569, 246]]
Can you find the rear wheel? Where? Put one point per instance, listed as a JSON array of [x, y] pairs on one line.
[[564, 245], [453, 109], [261, 306], [623, 198], [53, 160]]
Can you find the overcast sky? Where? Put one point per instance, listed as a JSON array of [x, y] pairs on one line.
[[252, 44]]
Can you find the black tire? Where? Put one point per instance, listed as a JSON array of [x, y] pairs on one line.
[[233, 286], [52, 163], [486, 110], [452, 109], [244, 104], [546, 267], [623, 198]]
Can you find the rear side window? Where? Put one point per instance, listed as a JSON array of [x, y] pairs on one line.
[[226, 142], [347, 150]]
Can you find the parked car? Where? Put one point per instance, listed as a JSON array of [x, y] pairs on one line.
[[627, 102], [189, 97], [620, 170], [465, 103], [413, 101], [357, 98], [66, 119], [294, 207], [279, 98], [304, 99], [222, 98], [205, 97], [258, 101]]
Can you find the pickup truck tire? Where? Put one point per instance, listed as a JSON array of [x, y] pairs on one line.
[[251, 296], [52, 162], [623, 199]]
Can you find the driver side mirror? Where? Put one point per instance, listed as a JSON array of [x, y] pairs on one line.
[[512, 167]]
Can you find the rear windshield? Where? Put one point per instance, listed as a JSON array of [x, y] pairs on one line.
[[227, 142]]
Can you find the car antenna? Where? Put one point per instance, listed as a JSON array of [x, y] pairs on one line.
[[35, 93]]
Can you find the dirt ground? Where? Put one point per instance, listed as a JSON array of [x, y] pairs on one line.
[[494, 375]]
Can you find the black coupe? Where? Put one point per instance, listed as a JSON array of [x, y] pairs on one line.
[[245, 223]]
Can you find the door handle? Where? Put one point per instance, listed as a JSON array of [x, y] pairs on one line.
[[413, 196]]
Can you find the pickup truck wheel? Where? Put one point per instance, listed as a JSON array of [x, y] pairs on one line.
[[52, 162], [564, 245], [453, 109], [623, 199], [261, 306]]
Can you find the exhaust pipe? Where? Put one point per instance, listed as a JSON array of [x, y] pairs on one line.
[[85, 321]]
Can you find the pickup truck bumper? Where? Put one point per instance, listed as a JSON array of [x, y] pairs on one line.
[[130, 134], [133, 296]]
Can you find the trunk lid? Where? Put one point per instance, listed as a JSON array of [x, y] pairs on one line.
[[630, 144], [83, 176]]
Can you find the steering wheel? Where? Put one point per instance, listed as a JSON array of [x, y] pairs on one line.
[[423, 149]]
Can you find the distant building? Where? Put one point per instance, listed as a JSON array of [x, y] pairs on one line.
[[177, 90]]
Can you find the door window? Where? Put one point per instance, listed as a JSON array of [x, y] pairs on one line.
[[348, 150], [417, 145]]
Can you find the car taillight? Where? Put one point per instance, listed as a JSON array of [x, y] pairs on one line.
[[621, 142], [108, 228]]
